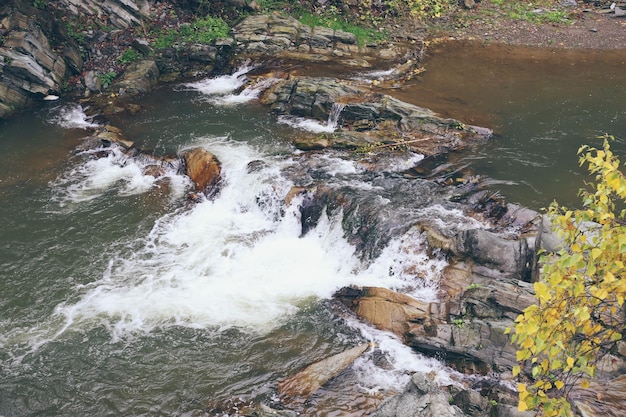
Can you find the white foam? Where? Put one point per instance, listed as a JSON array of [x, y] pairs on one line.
[[72, 117], [403, 362], [221, 85], [312, 125], [94, 177], [408, 267]]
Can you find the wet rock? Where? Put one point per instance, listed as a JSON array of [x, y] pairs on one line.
[[422, 397], [389, 310], [510, 257], [301, 385], [364, 118], [203, 168]]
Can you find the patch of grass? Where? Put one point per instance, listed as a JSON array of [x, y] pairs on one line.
[[273, 5], [333, 19], [107, 78], [128, 56], [201, 30], [540, 11]]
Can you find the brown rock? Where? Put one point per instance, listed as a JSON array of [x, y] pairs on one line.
[[203, 168], [389, 310], [309, 380]]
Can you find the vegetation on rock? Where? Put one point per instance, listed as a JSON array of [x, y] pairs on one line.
[[579, 315]]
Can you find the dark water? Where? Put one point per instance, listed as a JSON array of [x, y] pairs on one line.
[[117, 298]]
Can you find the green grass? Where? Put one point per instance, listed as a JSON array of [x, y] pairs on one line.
[[334, 20], [201, 30], [541, 11], [128, 56]]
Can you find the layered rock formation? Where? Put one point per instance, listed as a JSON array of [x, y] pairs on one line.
[[30, 67]]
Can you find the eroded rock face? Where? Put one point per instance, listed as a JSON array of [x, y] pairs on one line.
[[30, 68], [285, 37], [117, 13]]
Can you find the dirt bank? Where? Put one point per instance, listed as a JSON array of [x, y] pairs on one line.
[[589, 27]]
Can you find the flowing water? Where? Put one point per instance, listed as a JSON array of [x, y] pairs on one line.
[[118, 297]]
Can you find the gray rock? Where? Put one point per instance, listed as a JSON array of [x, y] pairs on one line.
[[422, 397], [511, 257], [92, 82], [140, 77]]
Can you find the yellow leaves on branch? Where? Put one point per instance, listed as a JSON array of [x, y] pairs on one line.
[[579, 311]]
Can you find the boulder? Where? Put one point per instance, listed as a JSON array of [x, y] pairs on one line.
[[204, 170], [140, 77], [389, 310]]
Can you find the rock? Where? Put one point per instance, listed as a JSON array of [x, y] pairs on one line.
[[30, 66], [601, 399], [510, 257], [469, 4], [364, 118], [93, 83], [388, 310], [285, 37], [203, 168], [118, 13], [140, 77], [306, 382], [422, 397], [619, 12]]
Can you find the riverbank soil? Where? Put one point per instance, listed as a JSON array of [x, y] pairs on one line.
[[588, 26]]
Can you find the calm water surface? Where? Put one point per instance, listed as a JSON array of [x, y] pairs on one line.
[[118, 298], [542, 104]]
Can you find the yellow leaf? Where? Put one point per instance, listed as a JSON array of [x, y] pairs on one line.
[[595, 253], [559, 384], [542, 291], [570, 362], [521, 387], [584, 383], [522, 406]]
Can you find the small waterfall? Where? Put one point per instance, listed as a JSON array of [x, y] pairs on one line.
[[333, 117], [313, 125], [72, 117]]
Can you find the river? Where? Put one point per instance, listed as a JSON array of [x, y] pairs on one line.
[[118, 297]]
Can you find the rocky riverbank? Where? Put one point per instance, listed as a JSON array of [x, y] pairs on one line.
[[488, 280]]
